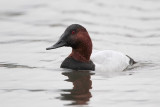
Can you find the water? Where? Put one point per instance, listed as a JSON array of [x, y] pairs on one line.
[[30, 75]]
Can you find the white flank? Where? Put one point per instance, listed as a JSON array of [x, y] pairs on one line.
[[110, 61]]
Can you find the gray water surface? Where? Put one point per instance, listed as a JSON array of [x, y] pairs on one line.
[[30, 76]]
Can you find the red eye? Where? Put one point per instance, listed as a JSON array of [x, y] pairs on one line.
[[73, 32]]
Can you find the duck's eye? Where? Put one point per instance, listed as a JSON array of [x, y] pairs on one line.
[[73, 32]]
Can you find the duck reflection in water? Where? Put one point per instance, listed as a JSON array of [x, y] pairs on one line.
[[80, 93]]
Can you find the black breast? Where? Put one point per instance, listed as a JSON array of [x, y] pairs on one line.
[[71, 63]]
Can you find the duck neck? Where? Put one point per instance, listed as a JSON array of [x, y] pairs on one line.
[[83, 51]]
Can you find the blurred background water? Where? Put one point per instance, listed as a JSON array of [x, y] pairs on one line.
[[30, 75]]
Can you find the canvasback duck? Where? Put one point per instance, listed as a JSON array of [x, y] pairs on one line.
[[77, 37]]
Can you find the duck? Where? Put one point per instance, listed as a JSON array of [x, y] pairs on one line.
[[81, 58]]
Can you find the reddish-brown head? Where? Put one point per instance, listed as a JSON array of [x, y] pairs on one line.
[[77, 37]]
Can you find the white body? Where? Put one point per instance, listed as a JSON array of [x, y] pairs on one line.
[[110, 61]]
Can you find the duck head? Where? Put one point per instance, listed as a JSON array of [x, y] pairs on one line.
[[77, 37]]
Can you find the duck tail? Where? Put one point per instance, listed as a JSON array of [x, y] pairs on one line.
[[131, 61]]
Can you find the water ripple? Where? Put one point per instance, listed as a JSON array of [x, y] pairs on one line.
[[24, 41], [11, 14], [30, 90], [14, 65]]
